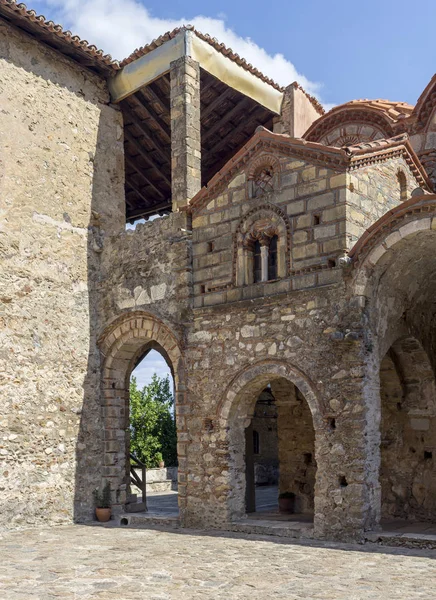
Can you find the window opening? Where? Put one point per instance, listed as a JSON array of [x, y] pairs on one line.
[[272, 258], [257, 262]]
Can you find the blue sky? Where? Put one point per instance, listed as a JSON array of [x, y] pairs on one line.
[[152, 363], [340, 50]]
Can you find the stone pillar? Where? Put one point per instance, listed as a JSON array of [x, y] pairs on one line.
[[264, 261], [185, 131], [250, 490]]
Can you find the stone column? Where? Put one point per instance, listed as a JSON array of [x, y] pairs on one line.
[[185, 131], [264, 262]]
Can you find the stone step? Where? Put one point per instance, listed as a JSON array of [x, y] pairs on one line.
[[405, 540], [148, 520], [293, 529]]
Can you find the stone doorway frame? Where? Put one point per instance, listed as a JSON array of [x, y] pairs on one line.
[[235, 412], [125, 340]]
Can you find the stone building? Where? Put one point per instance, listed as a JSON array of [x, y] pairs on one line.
[[295, 250]]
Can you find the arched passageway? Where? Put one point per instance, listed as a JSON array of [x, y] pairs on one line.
[[396, 275], [295, 409], [123, 345], [408, 433]]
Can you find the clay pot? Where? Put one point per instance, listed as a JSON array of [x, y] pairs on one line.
[[287, 505], [103, 514], [161, 464]]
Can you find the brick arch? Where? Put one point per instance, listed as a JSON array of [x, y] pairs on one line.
[[255, 376], [410, 217], [122, 345]]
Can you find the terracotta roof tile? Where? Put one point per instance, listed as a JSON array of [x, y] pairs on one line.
[[55, 36], [393, 110]]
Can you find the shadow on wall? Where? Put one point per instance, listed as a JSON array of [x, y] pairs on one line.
[[90, 438]]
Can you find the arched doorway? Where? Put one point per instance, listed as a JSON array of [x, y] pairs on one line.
[[124, 343], [280, 452], [298, 422], [153, 436]]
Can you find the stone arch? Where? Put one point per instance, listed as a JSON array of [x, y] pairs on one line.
[[236, 409], [260, 374], [352, 123], [266, 220], [379, 242], [123, 343]]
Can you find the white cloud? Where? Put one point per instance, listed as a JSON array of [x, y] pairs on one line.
[[120, 26]]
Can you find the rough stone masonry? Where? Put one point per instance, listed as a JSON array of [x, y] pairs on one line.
[[304, 265]]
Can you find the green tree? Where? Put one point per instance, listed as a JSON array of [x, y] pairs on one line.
[[152, 422]]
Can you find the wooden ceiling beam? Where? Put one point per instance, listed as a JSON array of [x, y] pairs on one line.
[[134, 166], [215, 103], [232, 134], [239, 107], [136, 191], [165, 156], [162, 131], [155, 98], [152, 210], [163, 127], [136, 144]]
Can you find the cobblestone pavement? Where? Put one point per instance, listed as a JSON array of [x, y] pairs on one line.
[[81, 562]]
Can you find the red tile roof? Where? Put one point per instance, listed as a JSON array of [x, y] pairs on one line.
[[54, 36], [393, 110], [228, 52]]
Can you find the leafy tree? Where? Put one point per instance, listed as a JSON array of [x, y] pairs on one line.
[[152, 423]]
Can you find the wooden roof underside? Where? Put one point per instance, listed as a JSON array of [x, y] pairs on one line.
[[228, 120]]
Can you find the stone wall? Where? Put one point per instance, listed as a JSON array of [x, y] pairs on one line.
[[61, 186], [372, 192]]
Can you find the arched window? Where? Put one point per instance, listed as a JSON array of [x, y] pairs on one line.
[[402, 182], [262, 247], [256, 443], [272, 258], [257, 262]]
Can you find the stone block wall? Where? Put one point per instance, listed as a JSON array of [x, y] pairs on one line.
[[61, 187], [312, 200], [373, 191]]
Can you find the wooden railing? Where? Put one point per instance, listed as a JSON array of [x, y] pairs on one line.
[[139, 482]]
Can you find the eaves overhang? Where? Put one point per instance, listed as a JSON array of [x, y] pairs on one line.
[[147, 68]]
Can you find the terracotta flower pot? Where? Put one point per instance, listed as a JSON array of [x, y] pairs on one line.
[[103, 514], [161, 464], [286, 505]]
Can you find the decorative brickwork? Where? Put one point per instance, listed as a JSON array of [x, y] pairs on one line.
[[122, 345]]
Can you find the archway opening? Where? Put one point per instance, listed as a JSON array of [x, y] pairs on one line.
[[272, 448], [400, 289], [124, 345], [152, 435], [280, 465], [408, 434]]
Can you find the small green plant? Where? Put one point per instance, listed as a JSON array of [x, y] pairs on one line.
[[287, 495], [103, 499], [158, 458]]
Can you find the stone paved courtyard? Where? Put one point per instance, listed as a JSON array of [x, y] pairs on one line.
[[108, 563]]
